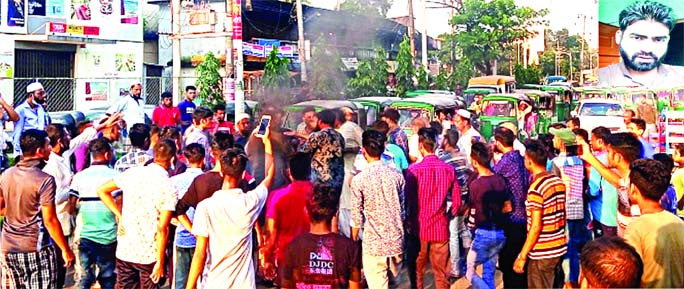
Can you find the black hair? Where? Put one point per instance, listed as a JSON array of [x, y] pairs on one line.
[[323, 203], [201, 113], [308, 109], [381, 126], [300, 166], [221, 141], [680, 148], [327, 117], [31, 140], [436, 126], [99, 146], [391, 114], [610, 262], [640, 123], [219, 106], [575, 121], [451, 138], [505, 136], [631, 111], [626, 144], [601, 133], [481, 153], [557, 125], [56, 132], [374, 143], [165, 150], [547, 140], [190, 87], [428, 138], [166, 94], [536, 152], [139, 135], [339, 115], [154, 129], [651, 177], [666, 160], [581, 133], [233, 162], [194, 153], [647, 10]]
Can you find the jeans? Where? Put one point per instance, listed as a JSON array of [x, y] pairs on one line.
[[438, 252], [485, 251], [516, 234], [376, 268], [579, 235], [183, 259], [92, 256], [459, 241]]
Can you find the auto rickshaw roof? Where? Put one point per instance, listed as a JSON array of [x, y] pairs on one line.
[[376, 99], [490, 80], [509, 96], [529, 92], [426, 100], [324, 104]]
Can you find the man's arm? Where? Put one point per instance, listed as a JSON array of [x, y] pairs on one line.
[[13, 115], [356, 208], [268, 156], [198, 260], [54, 228], [608, 174], [455, 197], [105, 193], [532, 237], [16, 136], [161, 237]]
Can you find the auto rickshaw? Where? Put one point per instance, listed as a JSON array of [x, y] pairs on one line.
[[563, 97], [544, 111], [633, 96], [473, 95], [293, 113], [663, 97], [374, 106], [422, 106], [555, 78], [500, 108], [677, 100], [421, 92], [496, 83], [597, 92]]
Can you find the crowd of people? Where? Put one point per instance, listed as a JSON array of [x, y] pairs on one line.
[[197, 201]]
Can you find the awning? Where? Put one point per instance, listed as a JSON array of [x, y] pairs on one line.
[[62, 39]]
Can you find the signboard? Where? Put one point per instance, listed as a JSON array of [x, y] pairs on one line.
[[237, 19], [97, 91], [70, 29], [256, 50], [13, 14], [7, 68], [350, 63]]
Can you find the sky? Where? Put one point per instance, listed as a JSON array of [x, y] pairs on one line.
[[562, 14]]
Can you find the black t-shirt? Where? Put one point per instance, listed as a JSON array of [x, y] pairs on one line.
[[321, 261], [487, 197], [203, 187]]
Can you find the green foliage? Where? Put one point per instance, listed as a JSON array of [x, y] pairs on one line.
[[371, 77], [327, 75], [276, 74], [375, 8], [530, 75], [209, 80], [484, 29], [561, 42], [422, 75], [405, 68]]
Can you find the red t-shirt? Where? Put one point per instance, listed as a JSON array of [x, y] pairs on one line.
[[287, 206], [166, 116]]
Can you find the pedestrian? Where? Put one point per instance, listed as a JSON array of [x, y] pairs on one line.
[[462, 122], [32, 115], [546, 242], [663, 267], [224, 222], [678, 177], [149, 199], [396, 135], [27, 194], [243, 127], [219, 123], [140, 143], [512, 168], [638, 126], [392, 154], [601, 257], [489, 201], [81, 156], [95, 235], [131, 106], [7, 113], [326, 147], [187, 107], [628, 116], [427, 185], [184, 247], [321, 258], [378, 206], [603, 195], [414, 153], [286, 212], [199, 132], [351, 133], [166, 114], [669, 200], [573, 123], [309, 122]]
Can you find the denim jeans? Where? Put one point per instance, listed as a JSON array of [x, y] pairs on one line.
[[579, 235], [484, 250], [459, 241], [183, 257], [92, 254]]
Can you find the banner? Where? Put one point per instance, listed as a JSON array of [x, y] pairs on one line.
[[13, 14], [36, 7], [7, 68], [129, 13], [237, 19], [97, 91]]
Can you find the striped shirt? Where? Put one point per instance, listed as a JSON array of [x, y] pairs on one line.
[[547, 193], [571, 170]]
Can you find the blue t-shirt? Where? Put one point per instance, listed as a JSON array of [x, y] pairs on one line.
[[604, 196], [186, 109], [648, 149], [669, 200], [398, 156]]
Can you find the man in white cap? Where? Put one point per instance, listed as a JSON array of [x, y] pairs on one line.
[[31, 114], [468, 133], [517, 145], [132, 106], [242, 129]]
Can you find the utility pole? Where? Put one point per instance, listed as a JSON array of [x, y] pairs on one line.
[[176, 50], [423, 38], [300, 40], [584, 26], [228, 28], [238, 62], [411, 28]]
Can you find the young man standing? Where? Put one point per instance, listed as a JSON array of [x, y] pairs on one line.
[[545, 243], [137, 154], [603, 204], [131, 106], [95, 224], [184, 247], [149, 200], [27, 197], [224, 222], [427, 185], [657, 235], [487, 201], [187, 107], [468, 133], [638, 127], [32, 114], [199, 134], [166, 114], [219, 123], [377, 205], [326, 146], [321, 258], [395, 135]]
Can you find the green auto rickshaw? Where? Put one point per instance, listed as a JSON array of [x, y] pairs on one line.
[[677, 100], [422, 106], [501, 108], [293, 113], [374, 106], [544, 111]]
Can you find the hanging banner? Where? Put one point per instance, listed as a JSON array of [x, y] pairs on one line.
[[97, 91], [13, 15], [36, 7], [129, 13], [237, 19], [7, 69], [55, 8]]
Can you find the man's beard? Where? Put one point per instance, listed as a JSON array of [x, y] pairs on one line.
[[631, 62]]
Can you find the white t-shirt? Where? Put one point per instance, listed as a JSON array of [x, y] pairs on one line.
[[227, 219], [466, 140]]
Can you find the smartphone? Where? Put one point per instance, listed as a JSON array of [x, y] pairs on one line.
[[263, 125]]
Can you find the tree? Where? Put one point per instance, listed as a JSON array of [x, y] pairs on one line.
[[484, 29], [328, 79], [209, 80], [276, 76], [375, 8], [530, 75], [405, 68], [422, 76], [561, 42], [371, 76]]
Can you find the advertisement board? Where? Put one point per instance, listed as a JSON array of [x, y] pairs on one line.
[[13, 14], [7, 68]]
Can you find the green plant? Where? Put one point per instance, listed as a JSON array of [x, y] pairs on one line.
[[530, 75], [327, 78], [405, 69], [276, 74], [423, 80], [209, 80], [371, 77]]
